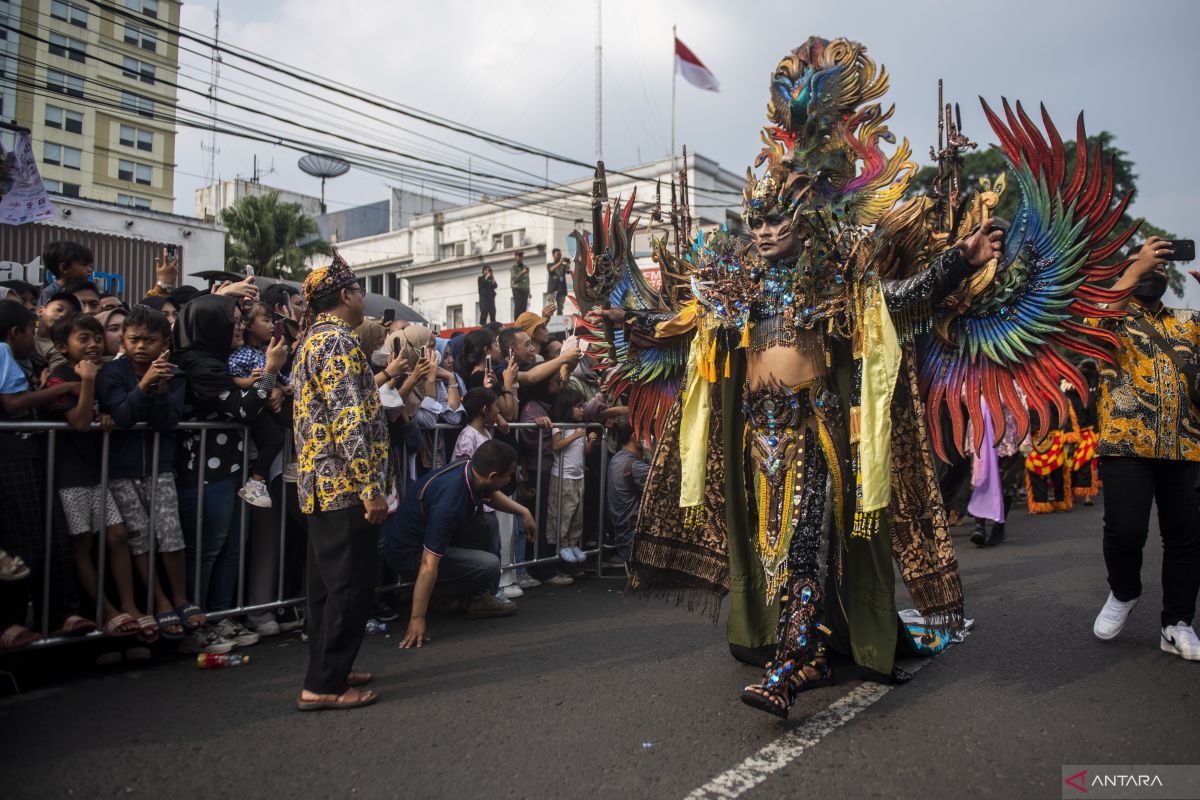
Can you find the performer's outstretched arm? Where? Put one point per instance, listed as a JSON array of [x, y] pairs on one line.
[[927, 289]]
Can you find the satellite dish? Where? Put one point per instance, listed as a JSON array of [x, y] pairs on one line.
[[323, 166]]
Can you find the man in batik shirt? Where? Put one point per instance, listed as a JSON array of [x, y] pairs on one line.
[[342, 447], [1149, 452]]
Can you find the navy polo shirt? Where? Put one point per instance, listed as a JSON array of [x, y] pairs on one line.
[[450, 499]]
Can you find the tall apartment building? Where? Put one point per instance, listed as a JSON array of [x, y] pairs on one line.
[[95, 84]]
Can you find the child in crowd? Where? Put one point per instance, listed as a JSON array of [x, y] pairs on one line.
[[64, 261], [626, 481], [571, 447], [482, 413], [22, 493], [246, 365], [143, 386], [80, 338], [45, 355]]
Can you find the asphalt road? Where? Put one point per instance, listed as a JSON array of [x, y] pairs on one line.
[[586, 694]]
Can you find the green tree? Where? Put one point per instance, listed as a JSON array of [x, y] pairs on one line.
[[988, 162], [275, 238]]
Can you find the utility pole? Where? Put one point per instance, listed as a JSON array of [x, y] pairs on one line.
[[599, 88], [674, 73]]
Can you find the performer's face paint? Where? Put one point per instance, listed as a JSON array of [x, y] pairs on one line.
[[1151, 287], [776, 236]]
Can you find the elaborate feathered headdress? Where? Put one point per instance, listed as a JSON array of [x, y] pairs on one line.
[[824, 125]]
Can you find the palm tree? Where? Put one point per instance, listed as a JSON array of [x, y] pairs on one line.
[[275, 238]]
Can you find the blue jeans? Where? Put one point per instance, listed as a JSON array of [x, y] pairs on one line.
[[220, 542]]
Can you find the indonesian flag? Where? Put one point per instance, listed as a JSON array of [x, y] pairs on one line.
[[687, 65]]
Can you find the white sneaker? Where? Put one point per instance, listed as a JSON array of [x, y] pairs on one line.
[[512, 591], [263, 623], [1111, 618], [527, 581], [580, 556], [233, 631], [255, 493], [205, 639], [1181, 640], [567, 554]]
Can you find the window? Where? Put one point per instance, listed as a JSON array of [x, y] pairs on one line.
[[454, 317], [136, 137], [138, 70], [147, 7], [64, 83], [454, 250], [51, 185], [141, 37], [376, 284], [133, 201], [61, 118], [59, 155], [133, 171], [137, 104], [70, 189], [69, 12], [73, 49], [507, 241]]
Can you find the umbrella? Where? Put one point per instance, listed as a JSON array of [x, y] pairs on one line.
[[376, 304]]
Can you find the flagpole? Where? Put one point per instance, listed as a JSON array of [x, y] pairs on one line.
[[674, 77]]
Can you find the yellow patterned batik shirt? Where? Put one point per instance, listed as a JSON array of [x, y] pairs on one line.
[[1145, 411], [341, 435]]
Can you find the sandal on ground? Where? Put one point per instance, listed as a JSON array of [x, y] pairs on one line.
[[166, 621], [189, 610], [147, 629], [12, 568], [783, 683], [15, 636], [355, 679], [341, 701], [76, 625], [122, 625]]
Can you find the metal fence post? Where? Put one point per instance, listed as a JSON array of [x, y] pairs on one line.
[[102, 506], [286, 456], [49, 533], [241, 585], [153, 532], [537, 498], [201, 591], [603, 499]]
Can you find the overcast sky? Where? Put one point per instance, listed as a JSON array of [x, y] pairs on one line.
[[525, 70]]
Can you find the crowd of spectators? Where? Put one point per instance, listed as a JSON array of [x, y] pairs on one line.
[[71, 353]]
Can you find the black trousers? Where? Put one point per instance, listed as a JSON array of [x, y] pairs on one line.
[[1130, 486], [520, 301], [487, 310], [342, 558]]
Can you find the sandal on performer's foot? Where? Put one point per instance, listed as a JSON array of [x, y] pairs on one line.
[[784, 682]]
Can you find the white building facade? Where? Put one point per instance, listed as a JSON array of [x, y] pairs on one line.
[[434, 263]]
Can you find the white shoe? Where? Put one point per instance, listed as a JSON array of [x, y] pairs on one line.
[[263, 623], [512, 591], [1181, 640], [580, 556], [527, 581], [255, 493], [1111, 618], [567, 554]]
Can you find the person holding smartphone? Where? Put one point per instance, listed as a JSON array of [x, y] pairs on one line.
[[487, 296], [1149, 451]]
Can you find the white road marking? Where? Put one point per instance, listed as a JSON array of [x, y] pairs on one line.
[[784, 750]]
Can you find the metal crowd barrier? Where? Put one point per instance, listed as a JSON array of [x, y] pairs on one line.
[[402, 482]]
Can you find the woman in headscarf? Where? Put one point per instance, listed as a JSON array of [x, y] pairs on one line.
[[113, 321], [208, 330], [434, 396]]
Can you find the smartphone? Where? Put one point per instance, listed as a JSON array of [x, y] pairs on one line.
[[1183, 249], [487, 365], [510, 355], [397, 345], [389, 316], [277, 334], [249, 271], [424, 353], [171, 251]]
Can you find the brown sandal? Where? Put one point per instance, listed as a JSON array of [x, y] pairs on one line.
[[340, 701], [783, 683], [356, 679]]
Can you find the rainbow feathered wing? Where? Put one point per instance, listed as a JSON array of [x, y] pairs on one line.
[[1013, 344]]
